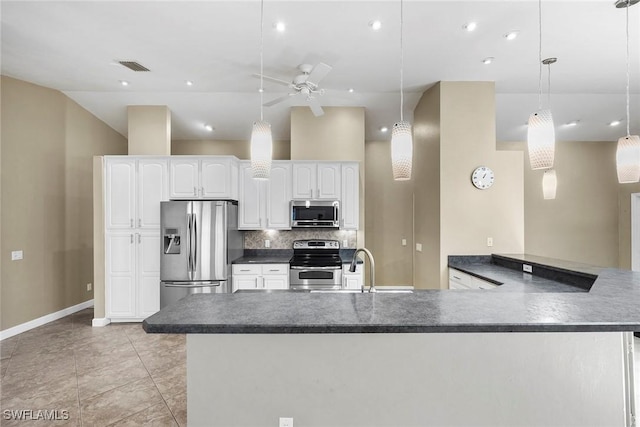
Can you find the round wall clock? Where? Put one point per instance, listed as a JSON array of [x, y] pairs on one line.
[[482, 177]]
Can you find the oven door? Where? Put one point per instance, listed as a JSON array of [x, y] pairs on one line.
[[307, 278]]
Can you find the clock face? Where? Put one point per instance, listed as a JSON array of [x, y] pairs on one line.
[[482, 177]]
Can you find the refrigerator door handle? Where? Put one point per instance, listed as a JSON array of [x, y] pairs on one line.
[[195, 243], [189, 256], [192, 284]]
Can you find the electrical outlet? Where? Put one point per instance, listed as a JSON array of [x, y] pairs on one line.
[[404, 242], [419, 247], [16, 255], [527, 268], [286, 422], [489, 241], [89, 287], [345, 243], [267, 243]]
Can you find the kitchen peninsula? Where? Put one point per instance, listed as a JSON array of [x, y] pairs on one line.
[[495, 357]]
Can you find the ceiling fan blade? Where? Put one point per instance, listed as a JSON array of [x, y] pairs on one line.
[[273, 80], [319, 72], [276, 101], [316, 109]]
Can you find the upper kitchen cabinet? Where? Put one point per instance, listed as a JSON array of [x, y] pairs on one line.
[[313, 180], [204, 178], [265, 204], [134, 188], [350, 208]]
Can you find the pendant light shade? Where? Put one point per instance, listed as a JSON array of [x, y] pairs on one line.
[[628, 159], [401, 151], [261, 150], [541, 140], [549, 184]]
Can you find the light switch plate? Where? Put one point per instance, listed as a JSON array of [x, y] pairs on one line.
[[404, 242], [16, 255], [527, 268], [345, 243], [490, 241], [286, 422], [419, 247], [267, 243]]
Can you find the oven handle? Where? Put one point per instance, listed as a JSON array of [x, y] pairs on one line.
[[314, 268]]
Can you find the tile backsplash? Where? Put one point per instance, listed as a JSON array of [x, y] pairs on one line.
[[283, 239]]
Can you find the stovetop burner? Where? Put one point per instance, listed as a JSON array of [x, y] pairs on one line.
[[316, 253]]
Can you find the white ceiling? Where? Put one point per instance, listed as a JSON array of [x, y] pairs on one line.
[[72, 45]]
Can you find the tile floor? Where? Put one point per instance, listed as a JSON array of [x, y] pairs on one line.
[[117, 375]]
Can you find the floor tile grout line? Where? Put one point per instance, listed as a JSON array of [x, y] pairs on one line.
[[152, 380]]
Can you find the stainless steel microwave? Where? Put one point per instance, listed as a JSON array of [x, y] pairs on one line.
[[315, 214]]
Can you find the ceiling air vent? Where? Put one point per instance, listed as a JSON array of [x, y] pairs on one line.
[[133, 65]]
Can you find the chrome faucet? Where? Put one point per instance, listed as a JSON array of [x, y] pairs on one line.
[[372, 267]]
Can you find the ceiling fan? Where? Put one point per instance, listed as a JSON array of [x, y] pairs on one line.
[[304, 84]]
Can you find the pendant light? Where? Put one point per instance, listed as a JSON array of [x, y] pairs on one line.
[[549, 184], [401, 137], [541, 138], [628, 151], [261, 140]]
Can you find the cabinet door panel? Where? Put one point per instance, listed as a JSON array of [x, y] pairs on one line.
[[350, 196], [250, 203], [278, 198], [185, 180], [152, 189], [328, 181], [304, 180], [245, 282], [215, 175], [120, 194], [120, 275], [148, 266], [276, 282]]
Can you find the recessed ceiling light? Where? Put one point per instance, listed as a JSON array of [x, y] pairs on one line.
[[124, 83], [615, 123], [280, 26], [350, 90], [573, 123], [189, 82], [209, 128], [470, 26], [384, 129], [488, 60], [260, 90], [511, 35], [375, 25]]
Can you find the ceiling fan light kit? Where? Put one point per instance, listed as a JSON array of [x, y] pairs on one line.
[[628, 150], [261, 140]]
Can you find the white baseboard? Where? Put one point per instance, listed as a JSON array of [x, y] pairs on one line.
[[23, 327], [100, 321]]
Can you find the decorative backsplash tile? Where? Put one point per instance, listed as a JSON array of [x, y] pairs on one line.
[[283, 239]]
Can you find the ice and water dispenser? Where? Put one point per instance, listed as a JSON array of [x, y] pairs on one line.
[[171, 241]]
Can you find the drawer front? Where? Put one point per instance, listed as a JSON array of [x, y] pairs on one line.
[[268, 269], [462, 278], [239, 269]]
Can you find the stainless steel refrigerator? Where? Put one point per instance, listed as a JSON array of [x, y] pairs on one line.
[[200, 238]]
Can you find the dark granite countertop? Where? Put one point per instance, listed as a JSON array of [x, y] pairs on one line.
[[611, 304], [281, 256]]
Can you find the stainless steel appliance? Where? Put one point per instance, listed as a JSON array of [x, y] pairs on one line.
[[200, 238], [315, 214], [316, 264]]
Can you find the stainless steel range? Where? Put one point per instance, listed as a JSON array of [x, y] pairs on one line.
[[315, 264]]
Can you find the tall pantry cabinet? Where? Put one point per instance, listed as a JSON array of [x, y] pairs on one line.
[[134, 188]]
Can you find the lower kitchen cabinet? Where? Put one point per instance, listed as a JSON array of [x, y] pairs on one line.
[[260, 276], [352, 280], [132, 275], [461, 280]]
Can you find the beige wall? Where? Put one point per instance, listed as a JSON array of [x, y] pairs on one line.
[[389, 217], [426, 176], [624, 222], [336, 135], [48, 142], [240, 149], [149, 130]]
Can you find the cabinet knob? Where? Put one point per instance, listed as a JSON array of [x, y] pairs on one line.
[[131, 222], [131, 236], [139, 238], [139, 222]]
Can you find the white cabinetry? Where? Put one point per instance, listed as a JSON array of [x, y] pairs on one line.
[[461, 280], [260, 276], [352, 280], [265, 204], [350, 206], [132, 274], [316, 180], [203, 178], [133, 191]]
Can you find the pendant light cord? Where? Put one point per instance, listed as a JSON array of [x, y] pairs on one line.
[[627, 33], [401, 63], [539, 54], [261, 57], [549, 87]]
